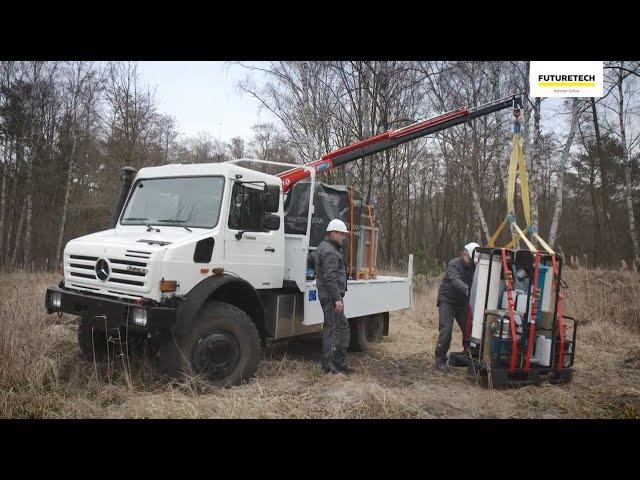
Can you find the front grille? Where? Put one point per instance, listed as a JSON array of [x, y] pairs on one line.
[[84, 286], [127, 272], [137, 254], [83, 275], [123, 271], [80, 265], [127, 262], [82, 257]]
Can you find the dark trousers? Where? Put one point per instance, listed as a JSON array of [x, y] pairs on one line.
[[447, 313], [335, 335]]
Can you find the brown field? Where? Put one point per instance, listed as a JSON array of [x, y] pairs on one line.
[[41, 375]]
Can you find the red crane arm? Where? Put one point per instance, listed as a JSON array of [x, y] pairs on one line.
[[393, 138]]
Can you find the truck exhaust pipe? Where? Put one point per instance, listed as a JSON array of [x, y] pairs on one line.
[[128, 174]]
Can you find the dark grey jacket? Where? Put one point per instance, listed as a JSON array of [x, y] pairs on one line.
[[456, 284], [331, 274]]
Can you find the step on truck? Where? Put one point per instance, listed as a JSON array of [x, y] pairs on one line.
[[199, 266]]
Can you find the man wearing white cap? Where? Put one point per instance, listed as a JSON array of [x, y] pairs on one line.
[[453, 300], [331, 281]]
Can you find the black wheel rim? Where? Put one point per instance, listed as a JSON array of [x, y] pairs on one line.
[[372, 328], [216, 355]]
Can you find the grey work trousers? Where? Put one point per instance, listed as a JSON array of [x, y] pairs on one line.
[[447, 313], [335, 336]]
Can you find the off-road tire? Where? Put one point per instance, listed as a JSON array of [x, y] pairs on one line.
[[219, 327], [365, 331]]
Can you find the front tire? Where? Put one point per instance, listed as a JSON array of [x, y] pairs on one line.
[[223, 347], [365, 331]]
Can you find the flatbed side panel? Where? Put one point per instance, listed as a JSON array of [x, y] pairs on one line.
[[364, 297]]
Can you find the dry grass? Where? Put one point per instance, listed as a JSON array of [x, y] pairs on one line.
[[41, 375]]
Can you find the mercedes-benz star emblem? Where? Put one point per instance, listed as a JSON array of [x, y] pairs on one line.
[[102, 269]]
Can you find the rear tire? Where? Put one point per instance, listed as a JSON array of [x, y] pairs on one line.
[[223, 347], [365, 331]]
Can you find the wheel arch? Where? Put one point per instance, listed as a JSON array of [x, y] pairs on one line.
[[224, 288]]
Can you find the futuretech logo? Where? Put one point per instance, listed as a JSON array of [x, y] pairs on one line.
[[566, 79]]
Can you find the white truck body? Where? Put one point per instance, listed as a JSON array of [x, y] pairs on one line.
[[138, 257]]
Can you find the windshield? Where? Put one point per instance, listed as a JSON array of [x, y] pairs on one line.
[[180, 201]]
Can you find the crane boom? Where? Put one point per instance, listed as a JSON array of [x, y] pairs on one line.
[[393, 138]]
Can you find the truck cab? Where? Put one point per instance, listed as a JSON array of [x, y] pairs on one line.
[[182, 223]]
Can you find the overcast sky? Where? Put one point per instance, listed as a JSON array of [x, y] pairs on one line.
[[203, 96]]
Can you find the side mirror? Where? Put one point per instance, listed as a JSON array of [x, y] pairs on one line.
[[271, 198], [271, 222]]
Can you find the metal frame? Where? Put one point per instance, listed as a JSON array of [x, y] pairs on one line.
[[503, 375]]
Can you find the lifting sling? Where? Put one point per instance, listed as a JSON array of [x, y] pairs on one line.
[[516, 166]]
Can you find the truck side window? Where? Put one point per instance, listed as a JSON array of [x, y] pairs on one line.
[[246, 210]]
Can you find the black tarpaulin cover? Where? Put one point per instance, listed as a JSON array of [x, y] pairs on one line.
[[330, 201]]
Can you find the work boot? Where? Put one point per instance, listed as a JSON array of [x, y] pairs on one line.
[[440, 365], [344, 369]]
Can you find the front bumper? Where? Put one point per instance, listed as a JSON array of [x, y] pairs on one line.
[[107, 313]]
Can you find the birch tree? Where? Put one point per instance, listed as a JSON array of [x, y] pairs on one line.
[[622, 73], [557, 212]]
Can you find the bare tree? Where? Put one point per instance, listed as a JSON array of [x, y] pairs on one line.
[[622, 73], [81, 84], [237, 147], [557, 212]]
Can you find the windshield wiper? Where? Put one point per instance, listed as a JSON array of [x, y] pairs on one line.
[[175, 220], [135, 218]]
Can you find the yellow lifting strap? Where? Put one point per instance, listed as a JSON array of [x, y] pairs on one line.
[[516, 166], [516, 163]]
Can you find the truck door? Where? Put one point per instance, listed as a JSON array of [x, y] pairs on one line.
[[251, 251]]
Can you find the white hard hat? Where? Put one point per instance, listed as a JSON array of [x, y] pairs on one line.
[[470, 247], [336, 225]]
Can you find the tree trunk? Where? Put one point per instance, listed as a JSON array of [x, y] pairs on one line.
[[603, 173], [627, 174], [534, 167], [26, 260], [16, 243], [467, 166], [65, 204], [560, 178], [5, 174], [10, 210]]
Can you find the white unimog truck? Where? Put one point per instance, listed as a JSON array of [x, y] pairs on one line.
[[198, 264]]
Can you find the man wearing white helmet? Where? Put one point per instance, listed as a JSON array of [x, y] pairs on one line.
[[331, 281], [453, 301]]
